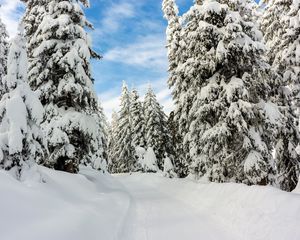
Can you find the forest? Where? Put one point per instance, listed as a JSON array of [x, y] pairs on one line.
[[234, 74]]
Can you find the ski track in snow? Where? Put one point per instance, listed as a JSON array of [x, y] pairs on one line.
[[93, 206], [159, 216]]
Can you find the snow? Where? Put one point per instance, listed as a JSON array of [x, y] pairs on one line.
[[94, 206], [149, 161]]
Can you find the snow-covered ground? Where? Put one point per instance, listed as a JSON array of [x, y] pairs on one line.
[[91, 206]]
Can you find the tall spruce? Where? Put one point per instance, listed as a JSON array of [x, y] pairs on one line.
[[3, 53], [176, 149], [178, 81], [279, 24], [99, 159], [138, 121], [157, 136], [21, 112], [224, 76], [112, 143], [59, 70], [124, 150]]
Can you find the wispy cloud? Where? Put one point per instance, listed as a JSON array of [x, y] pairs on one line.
[[11, 12], [147, 52], [113, 18]]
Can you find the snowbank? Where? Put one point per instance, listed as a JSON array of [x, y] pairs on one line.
[[88, 206], [249, 213], [92, 206]]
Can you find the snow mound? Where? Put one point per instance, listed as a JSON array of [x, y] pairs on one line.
[[225, 211], [88, 206]]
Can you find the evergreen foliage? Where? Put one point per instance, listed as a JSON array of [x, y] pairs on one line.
[[3, 53], [59, 70], [138, 121], [157, 136], [21, 139], [124, 149], [280, 26]]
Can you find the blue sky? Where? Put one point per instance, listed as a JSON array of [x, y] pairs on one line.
[[130, 35]]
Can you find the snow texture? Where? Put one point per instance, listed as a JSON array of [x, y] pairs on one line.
[[94, 206]]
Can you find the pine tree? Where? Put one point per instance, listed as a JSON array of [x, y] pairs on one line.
[[176, 149], [157, 136], [178, 81], [59, 70], [138, 121], [280, 33], [3, 52], [35, 12], [227, 79], [124, 150], [273, 27], [99, 158], [286, 139], [21, 139], [112, 140]]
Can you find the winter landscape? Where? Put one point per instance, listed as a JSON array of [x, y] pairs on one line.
[[149, 120]]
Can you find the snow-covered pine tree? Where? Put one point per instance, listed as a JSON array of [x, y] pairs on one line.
[[228, 137], [280, 27], [112, 140], [157, 136], [21, 112], [178, 81], [124, 150], [59, 71], [3, 53], [273, 27], [138, 121], [35, 12], [176, 149], [286, 140], [99, 159]]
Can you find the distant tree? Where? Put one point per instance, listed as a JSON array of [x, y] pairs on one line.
[[112, 143], [21, 112], [59, 70], [176, 149], [157, 136], [124, 150], [138, 121]]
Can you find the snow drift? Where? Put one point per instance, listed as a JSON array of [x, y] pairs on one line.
[[93, 206]]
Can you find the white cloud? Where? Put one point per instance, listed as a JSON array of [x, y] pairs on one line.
[[114, 17], [11, 12], [148, 52]]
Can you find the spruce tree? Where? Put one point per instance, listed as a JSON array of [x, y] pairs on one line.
[[228, 83], [59, 70], [178, 80], [21, 112], [3, 53], [157, 136], [124, 150], [176, 149], [138, 121], [99, 159], [279, 25], [112, 140]]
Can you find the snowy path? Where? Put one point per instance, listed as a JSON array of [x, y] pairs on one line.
[[156, 215], [93, 206]]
